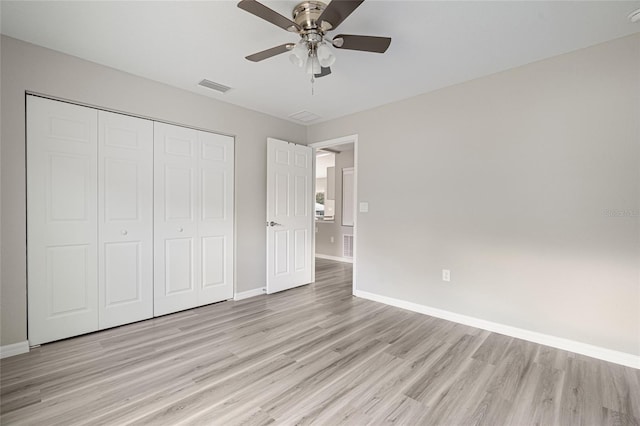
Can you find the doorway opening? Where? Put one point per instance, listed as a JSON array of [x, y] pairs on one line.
[[335, 204]]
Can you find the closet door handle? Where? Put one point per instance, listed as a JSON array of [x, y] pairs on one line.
[[180, 229], [124, 232]]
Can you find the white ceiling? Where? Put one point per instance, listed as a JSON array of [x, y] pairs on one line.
[[435, 44]]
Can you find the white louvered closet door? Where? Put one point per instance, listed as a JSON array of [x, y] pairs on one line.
[[193, 218], [61, 219], [125, 219]]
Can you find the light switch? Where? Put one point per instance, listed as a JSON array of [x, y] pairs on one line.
[[364, 207]]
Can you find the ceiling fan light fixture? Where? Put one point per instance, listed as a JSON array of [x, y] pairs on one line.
[[295, 60], [313, 66], [326, 57], [299, 54]]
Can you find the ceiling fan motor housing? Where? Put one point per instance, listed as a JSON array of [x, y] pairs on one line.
[[306, 15]]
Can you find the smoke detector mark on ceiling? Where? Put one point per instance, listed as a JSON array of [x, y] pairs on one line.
[[305, 116], [214, 86]]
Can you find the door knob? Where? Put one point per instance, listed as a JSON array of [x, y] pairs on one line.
[[180, 229], [124, 232], [272, 223]]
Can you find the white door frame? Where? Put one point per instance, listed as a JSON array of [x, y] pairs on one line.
[[328, 144]]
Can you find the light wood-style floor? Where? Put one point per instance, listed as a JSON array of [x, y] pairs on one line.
[[314, 354]]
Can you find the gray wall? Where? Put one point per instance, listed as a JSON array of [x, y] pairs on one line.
[[28, 67], [334, 229], [504, 180]]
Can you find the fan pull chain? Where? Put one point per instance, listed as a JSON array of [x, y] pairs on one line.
[[313, 80]]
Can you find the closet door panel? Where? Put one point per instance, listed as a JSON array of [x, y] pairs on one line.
[[125, 209], [176, 201], [61, 219], [179, 257], [215, 166]]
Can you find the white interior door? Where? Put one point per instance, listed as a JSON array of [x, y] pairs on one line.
[[125, 219], [215, 219], [61, 219], [177, 265], [290, 215], [193, 218]]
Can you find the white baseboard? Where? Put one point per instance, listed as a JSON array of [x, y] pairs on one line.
[[14, 349], [337, 258], [617, 357], [249, 293]]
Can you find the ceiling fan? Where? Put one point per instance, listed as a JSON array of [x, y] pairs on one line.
[[312, 19]]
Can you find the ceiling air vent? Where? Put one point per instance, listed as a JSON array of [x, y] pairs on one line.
[[305, 116], [214, 86]]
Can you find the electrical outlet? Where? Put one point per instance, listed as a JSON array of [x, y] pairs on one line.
[[446, 275]]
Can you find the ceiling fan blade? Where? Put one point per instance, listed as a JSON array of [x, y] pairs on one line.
[[337, 11], [360, 42], [323, 72], [257, 57], [270, 15]]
